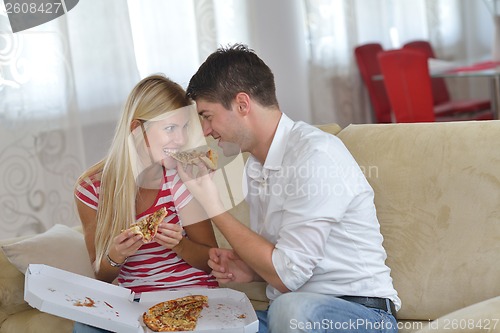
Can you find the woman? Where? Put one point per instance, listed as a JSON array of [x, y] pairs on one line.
[[136, 178]]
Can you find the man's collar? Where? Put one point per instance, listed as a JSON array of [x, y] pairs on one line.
[[277, 149]]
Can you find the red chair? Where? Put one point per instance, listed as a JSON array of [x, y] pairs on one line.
[[443, 105], [408, 85], [366, 58]]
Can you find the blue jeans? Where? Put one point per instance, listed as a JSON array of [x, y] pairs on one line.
[[84, 328], [309, 312]]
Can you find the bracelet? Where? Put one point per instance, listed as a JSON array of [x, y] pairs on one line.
[[114, 263]]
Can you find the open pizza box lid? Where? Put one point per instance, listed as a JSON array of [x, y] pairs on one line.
[[111, 307]]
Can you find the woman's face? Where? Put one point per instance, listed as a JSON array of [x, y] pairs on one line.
[[167, 135]]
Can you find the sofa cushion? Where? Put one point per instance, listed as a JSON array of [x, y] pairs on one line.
[[60, 246], [331, 128], [437, 194]]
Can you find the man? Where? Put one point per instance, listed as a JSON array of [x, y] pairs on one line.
[[314, 237]]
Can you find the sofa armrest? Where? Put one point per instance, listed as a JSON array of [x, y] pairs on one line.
[[480, 317], [11, 285], [11, 275]]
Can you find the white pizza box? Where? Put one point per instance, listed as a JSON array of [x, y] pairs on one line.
[[111, 307], [65, 294], [228, 310]]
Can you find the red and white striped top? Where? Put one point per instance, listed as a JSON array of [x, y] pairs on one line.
[[154, 267]]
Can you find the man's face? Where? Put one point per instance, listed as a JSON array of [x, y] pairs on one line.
[[223, 125]]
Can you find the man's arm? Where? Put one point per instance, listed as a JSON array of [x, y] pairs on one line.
[[227, 267], [252, 248]]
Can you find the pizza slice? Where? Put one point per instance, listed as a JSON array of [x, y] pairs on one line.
[[180, 314], [209, 158], [148, 226]]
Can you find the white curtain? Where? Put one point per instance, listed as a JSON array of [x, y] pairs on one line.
[[52, 76], [63, 84]]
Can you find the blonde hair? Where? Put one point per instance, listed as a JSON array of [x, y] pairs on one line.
[[150, 98]]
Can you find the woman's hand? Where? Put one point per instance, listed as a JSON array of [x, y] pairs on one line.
[[169, 235], [124, 245]]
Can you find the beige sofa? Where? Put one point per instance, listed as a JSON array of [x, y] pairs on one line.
[[437, 193]]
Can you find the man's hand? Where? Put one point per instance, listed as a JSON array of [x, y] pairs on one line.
[[202, 187], [228, 267]]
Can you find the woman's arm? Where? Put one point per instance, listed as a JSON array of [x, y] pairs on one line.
[[200, 238], [125, 241], [88, 217]]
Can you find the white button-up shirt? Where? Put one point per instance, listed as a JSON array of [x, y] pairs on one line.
[[311, 199]]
